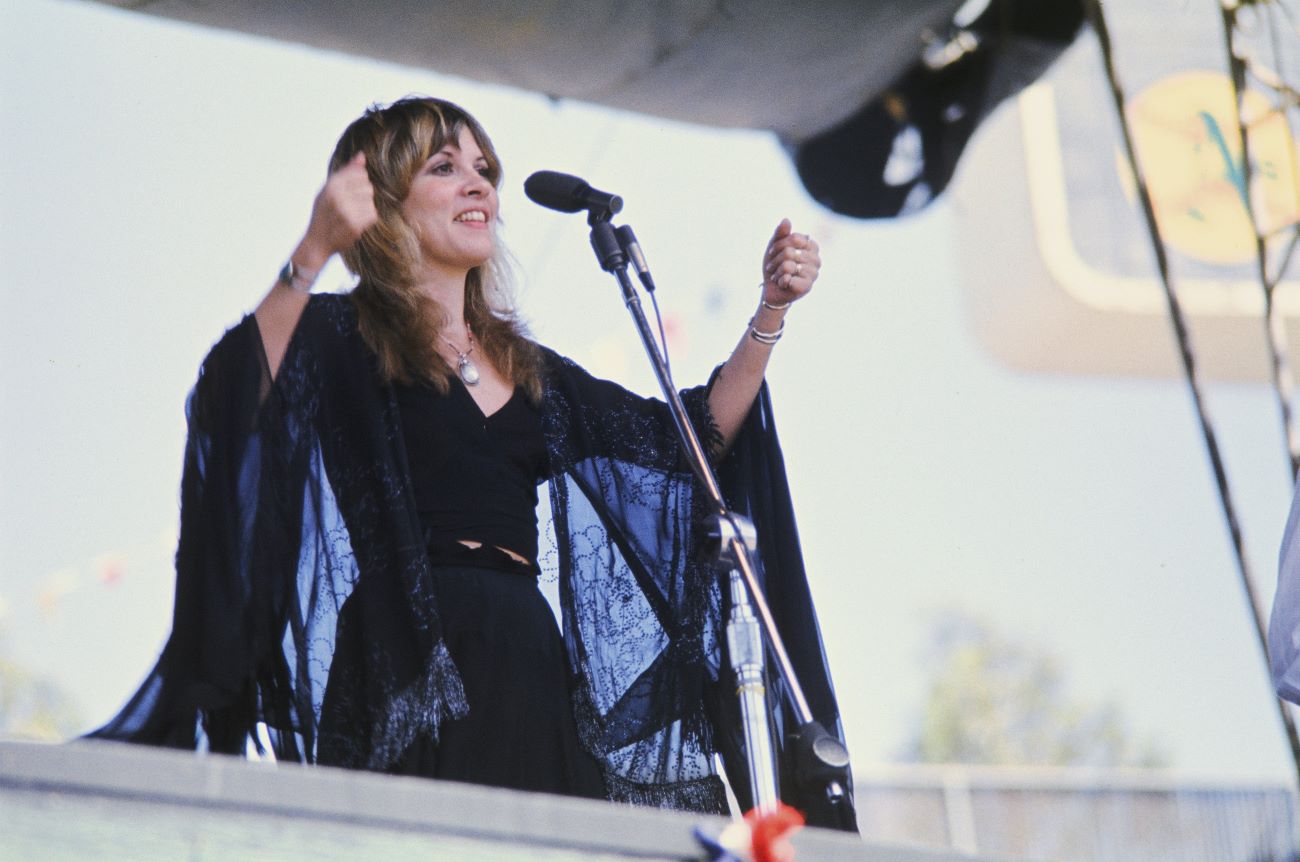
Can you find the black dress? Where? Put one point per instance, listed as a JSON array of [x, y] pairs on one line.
[[475, 477]]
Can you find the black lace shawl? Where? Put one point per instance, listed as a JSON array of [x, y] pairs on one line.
[[296, 500]]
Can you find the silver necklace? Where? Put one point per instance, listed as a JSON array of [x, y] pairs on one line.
[[467, 370]]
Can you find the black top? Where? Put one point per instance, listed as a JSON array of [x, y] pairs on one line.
[[475, 477]]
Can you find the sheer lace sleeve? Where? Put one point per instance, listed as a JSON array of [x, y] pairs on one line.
[[303, 599], [642, 611], [753, 480], [203, 670]]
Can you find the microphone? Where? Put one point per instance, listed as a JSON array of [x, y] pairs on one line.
[[569, 194]]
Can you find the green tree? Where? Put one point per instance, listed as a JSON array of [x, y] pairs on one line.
[[995, 700], [32, 707]]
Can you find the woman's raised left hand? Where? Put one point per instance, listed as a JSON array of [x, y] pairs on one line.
[[790, 266]]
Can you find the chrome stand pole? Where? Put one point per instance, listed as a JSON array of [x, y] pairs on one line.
[[820, 760], [745, 643]]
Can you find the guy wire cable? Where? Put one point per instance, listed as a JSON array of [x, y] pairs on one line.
[[1179, 322], [1241, 65]]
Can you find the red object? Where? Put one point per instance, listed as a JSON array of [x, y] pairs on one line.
[[770, 833], [110, 573]]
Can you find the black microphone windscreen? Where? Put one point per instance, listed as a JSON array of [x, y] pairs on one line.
[[557, 191]]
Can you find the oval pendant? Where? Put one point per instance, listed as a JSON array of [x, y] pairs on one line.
[[468, 372]]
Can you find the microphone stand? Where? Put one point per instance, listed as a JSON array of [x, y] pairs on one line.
[[820, 760]]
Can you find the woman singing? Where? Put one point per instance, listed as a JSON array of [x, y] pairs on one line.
[[356, 573]]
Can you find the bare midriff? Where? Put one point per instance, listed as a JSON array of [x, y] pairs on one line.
[[519, 558]]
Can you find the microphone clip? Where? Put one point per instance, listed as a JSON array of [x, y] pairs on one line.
[[597, 214], [604, 242]]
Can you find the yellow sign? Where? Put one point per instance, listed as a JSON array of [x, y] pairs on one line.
[[1185, 133]]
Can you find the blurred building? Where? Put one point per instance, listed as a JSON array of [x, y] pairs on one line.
[[1076, 814]]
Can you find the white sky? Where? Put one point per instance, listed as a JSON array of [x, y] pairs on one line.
[[153, 177]]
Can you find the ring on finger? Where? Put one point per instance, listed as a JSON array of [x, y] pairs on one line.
[[798, 269]]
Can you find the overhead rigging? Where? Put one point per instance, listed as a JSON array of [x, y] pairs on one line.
[[1257, 34]]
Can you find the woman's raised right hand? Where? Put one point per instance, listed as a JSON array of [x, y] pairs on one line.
[[343, 210]]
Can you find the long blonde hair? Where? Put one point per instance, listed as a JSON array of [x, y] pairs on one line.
[[400, 323]]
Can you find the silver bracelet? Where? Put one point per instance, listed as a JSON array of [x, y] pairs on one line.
[[762, 337], [778, 307]]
